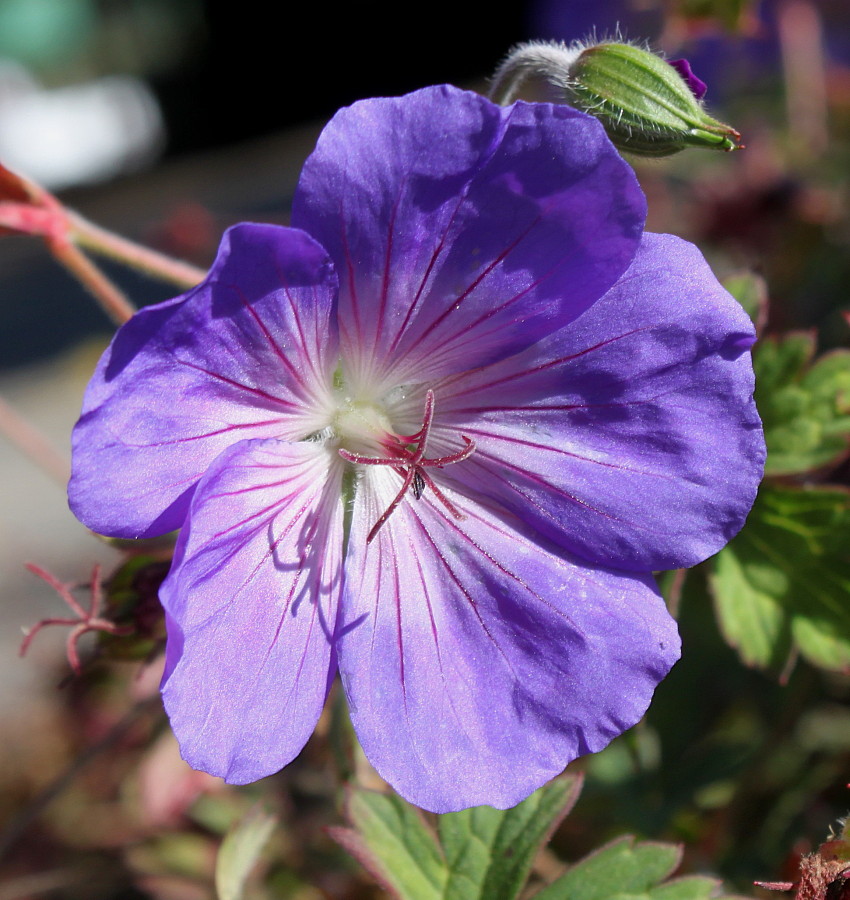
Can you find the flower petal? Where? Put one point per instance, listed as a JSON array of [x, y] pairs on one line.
[[246, 354], [630, 437], [463, 231], [478, 663], [251, 608]]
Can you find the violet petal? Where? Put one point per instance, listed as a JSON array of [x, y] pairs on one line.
[[246, 354], [251, 605], [630, 437], [463, 231], [697, 85], [478, 663]]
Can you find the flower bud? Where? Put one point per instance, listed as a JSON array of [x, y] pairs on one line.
[[646, 105]]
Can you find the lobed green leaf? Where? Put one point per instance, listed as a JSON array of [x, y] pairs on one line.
[[782, 582], [481, 853], [620, 869], [489, 852], [629, 870], [391, 839], [805, 408]]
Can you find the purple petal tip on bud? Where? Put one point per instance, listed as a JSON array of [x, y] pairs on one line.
[[697, 85]]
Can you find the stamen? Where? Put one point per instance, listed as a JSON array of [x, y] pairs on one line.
[[410, 464]]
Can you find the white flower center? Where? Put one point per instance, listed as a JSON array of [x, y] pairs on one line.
[[405, 453], [361, 426]]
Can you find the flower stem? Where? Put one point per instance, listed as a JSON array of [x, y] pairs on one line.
[[33, 444], [99, 240], [549, 62], [117, 306]]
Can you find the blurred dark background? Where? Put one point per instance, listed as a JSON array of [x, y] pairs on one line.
[[167, 120], [98, 92]]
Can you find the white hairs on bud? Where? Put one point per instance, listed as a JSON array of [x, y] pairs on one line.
[[549, 61]]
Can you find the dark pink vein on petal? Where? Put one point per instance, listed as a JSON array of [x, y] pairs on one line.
[[459, 584], [503, 569], [523, 373], [581, 572], [537, 479], [560, 452], [265, 515], [314, 526], [491, 152], [238, 384], [487, 270], [271, 341], [414, 553], [349, 266], [531, 476], [217, 613], [157, 489], [293, 306], [275, 544], [385, 281], [399, 633], [260, 487], [428, 269], [199, 437], [553, 407], [240, 549], [379, 575]]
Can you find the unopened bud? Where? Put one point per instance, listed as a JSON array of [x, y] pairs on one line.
[[647, 106], [644, 103]]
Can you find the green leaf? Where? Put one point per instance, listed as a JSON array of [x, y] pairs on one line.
[[626, 870], [482, 853], [783, 581], [622, 868], [240, 850], [392, 841], [489, 852], [805, 408], [695, 887]]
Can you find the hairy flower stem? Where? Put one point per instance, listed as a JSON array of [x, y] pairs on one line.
[[548, 62], [99, 240]]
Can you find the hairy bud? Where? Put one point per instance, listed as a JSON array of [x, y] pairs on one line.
[[647, 106]]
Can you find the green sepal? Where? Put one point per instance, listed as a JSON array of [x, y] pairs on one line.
[[489, 851], [132, 602], [644, 104]]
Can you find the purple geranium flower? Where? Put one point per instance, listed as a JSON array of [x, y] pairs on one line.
[[437, 435]]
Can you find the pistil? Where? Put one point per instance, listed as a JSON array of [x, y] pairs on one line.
[[407, 457]]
